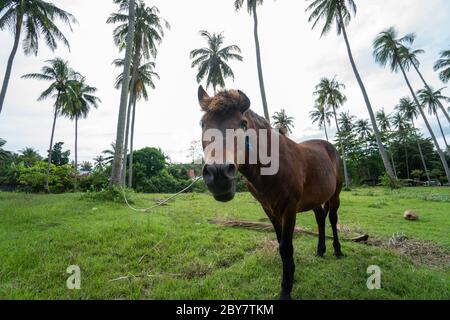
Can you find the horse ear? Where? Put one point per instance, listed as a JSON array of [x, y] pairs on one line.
[[245, 101], [202, 98]]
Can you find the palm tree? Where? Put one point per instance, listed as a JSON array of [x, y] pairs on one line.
[[99, 162], [384, 123], [432, 99], [364, 132], [212, 60], [251, 9], [409, 110], [411, 55], [77, 103], [3, 153], [329, 95], [444, 64], [388, 49], [341, 12], [59, 73], [116, 173], [109, 154], [283, 122], [29, 156], [143, 79], [401, 124], [322, 117], [37, 18]]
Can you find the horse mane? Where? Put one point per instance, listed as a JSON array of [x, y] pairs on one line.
[[259, 122]]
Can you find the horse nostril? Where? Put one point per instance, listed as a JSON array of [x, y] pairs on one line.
[[229, 170], [208, 174]]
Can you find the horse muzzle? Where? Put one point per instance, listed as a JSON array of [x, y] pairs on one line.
[[220, 180]]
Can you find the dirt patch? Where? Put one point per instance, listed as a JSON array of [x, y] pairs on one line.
[[420, 252]]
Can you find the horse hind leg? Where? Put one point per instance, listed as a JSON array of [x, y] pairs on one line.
[[334, 204], [321, 216]]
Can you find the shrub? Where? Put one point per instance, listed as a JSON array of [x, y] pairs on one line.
[[386, 181], [32, 179]]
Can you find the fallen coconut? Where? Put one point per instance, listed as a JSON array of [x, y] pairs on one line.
[[410, 215]]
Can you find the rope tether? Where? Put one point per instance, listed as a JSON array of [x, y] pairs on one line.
[[160, 203]]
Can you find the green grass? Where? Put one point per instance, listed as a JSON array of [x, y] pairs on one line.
[[175, 253]]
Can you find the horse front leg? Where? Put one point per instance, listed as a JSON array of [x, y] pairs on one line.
[[287, 254]]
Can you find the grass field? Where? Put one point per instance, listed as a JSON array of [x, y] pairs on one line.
[[175, 253]]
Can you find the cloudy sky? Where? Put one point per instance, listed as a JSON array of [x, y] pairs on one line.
[[294, 60]]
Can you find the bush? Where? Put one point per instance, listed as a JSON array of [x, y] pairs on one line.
[[115, 194], [95, 181], [32, 179], [386, 181]]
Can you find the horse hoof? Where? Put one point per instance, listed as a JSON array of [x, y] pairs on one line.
[[339, 255], [320, 254], [285, 296]]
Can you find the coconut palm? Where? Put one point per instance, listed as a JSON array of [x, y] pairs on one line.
[[411, 55], [322, 117], [346, 120], [401, 124], [282, 121], [410, 111], [384, 123], [116, 172], [389, 49], [432, 99], [211, 61], [29, 156], [3, 153], [340, 11], [109, 154], [99, 162], [36, 18], [329, 95], [443, 64], [251, 9], [77, 103], [144, 78], [364, 133], [59, 73]]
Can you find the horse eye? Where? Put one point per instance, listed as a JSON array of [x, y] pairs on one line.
[[243, 125]]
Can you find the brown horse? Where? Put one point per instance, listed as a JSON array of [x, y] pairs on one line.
[[309, 176]]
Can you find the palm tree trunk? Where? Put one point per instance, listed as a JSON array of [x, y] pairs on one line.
[[10, 63], [259, 64], [429, 89], [50, 149], [130, 168], [442, 132], [421, 154], [325, 128], [344, 161], [436, 144], [406, 159], [118, 156], [383, 154], [76, 153], [393, 164], [127, 134]]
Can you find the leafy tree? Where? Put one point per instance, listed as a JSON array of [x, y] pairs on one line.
[[340, 12], [37, 18], [212, 60], [86, 166], [59, 157]]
